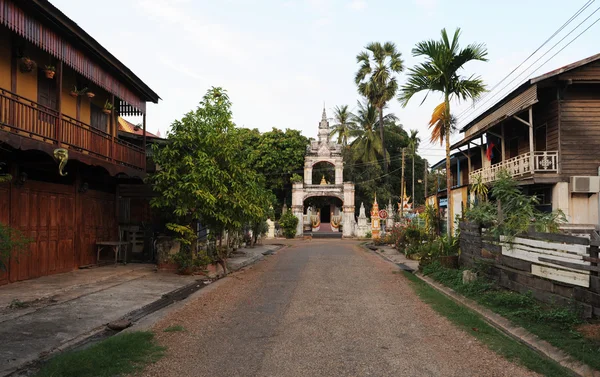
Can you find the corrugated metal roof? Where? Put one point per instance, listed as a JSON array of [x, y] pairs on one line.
[[133, 129]]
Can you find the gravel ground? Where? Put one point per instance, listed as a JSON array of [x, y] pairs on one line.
[[319, 308]]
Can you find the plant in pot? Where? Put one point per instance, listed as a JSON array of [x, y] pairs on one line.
[[75, 92], [50, 71], [108, 108], [26, 64]]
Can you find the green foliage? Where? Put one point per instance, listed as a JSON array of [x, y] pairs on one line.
[[432, 220], [116, 356], [343, 124], [473, 324], [296, 178], [288, 223], [439, 247], [12, 242], [510, 211], [205, 170], [174, 328], [368, 234]]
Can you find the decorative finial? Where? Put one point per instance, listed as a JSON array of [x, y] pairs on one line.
[[324, 116]]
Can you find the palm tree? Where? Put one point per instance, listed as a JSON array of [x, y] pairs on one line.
[[367, 146], [413, 144], [344, 124], [440, 73], [376, 79]]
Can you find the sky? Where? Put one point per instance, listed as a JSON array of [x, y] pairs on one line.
[[281, 61]]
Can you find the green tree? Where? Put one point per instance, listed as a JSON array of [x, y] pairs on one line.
[[413, 144], [204, 173], [367, 146], [376, 78], [440, 73], [344, 124], [277, 155]]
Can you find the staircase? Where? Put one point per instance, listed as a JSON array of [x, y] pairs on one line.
[[325, 231]]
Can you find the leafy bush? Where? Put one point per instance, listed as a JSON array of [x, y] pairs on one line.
[[368, 234], [511, 212], [288, 223], [11, 241], [439, 247], [296, 178]]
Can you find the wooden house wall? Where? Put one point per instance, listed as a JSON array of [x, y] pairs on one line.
[[546, 112], [63, 224], [580, 130]]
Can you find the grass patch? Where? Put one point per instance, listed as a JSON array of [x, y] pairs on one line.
[[119, 355], [473, 324], [553, 323], [174, 328]]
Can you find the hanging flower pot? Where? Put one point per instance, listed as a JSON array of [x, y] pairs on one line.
[[50, 71], [90, 94], [108, 107], [26, 65]]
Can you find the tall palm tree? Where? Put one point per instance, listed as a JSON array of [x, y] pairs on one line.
[[440, 73], [367, 146], [344, 124], [376, 79], [413, 144]]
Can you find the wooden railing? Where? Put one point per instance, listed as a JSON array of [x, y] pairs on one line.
[[543, 162], [30, 119]]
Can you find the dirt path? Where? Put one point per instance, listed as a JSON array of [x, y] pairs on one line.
[[320, 308]]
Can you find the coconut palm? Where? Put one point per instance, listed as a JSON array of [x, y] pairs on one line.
[[376, 79], [440, 73], [413, 144], [344, 124], [367, 146]]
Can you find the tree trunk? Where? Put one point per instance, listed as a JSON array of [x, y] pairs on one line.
[[413, 182], [385, 161], [448, 171]]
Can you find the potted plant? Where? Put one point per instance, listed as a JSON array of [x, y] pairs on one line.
[[108, 107], [26, 64], [77, 92], [50, 71]]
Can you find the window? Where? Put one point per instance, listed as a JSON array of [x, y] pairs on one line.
[[46, 96], [98, 119], [540, 138]]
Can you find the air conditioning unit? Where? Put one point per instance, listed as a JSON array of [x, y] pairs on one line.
[[585, 185]]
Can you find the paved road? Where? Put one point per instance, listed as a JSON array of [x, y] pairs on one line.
[[319, 308]]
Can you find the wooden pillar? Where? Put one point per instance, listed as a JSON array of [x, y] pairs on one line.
[[13, 79], [458, 171], [113, 128], [59, 89], [531, 150], [503, 141], [144, 142]]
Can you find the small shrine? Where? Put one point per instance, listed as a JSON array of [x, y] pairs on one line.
[[405, 202], [375, 227], [336, 212]]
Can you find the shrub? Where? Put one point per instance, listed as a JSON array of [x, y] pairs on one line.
[[368, 234], [288, 223]]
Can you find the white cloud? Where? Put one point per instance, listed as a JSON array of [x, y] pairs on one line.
[[358, 4], [427, 4]]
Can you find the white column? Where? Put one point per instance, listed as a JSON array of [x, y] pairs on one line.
[[298, 206]]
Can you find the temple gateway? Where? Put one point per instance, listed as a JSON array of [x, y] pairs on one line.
[[324, 203]]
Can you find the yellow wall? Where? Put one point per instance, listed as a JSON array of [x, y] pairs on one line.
[[5, 49]]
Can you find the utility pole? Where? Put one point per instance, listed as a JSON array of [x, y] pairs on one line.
[[402, 187]]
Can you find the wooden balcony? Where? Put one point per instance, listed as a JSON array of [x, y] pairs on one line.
[[520, 166], [32, 120]]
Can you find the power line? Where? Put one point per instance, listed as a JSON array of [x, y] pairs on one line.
[[583, 8], [480, 105]]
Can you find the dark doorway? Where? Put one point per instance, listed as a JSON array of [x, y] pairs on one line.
[[326, 214]]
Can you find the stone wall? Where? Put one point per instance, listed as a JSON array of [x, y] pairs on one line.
[[485, 254]]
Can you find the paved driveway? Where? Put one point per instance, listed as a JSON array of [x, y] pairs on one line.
[[319, 308]]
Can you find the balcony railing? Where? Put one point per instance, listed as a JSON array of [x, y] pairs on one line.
[[30, 119], [543, 162]]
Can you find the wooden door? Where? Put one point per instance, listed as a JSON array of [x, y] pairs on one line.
[[4, 218], [45, 213], [98, 222]]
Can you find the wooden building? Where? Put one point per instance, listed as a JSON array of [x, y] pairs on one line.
[[64, 212], [546, 134]]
